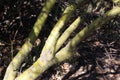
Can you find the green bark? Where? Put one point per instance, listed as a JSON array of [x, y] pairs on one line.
[[50, 44], [37, 68], [67, 33], [66, 53], [26, 48], [63, 54], [93, 26]]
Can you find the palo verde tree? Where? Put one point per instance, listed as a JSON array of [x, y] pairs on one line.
[[53, 52]]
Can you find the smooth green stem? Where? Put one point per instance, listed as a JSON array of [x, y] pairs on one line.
[[66, 52], [67, 33], [93, 26], [13, 67], [55, 33]]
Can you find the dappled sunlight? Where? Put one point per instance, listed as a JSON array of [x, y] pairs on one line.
[[59, 40]]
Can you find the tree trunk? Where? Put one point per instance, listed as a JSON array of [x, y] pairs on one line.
[[43, 64], [13, 67]]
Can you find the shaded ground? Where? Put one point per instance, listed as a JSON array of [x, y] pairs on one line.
[[96, 58]]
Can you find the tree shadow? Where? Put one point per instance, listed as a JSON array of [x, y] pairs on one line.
[[96, 57], [81, 63]]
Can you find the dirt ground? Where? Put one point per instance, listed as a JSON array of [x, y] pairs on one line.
[[96, 58]]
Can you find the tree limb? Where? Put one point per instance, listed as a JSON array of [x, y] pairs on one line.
[[26, 48]]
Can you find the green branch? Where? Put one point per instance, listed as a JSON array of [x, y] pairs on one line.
[[49, 47], [66, 52], [26, 48], [67, 33]]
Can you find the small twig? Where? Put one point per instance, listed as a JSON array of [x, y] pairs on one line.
[[107, 54]]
